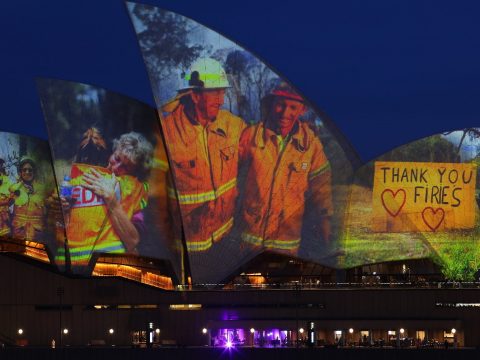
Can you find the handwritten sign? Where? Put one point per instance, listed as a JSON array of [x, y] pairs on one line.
[[415, 196]]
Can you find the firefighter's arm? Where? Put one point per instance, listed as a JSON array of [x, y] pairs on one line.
[[320, 179], [243, 144], [5, 199], [14, 192], [105, 188], [243, 163], [122, 225], [244, 155]]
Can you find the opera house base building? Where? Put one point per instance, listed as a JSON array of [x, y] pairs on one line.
[[44, 312], [231, 220]]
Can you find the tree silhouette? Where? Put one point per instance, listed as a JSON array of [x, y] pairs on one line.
[[164, 39], [430, 149], [251, 81], [71, 108], [472, 133]]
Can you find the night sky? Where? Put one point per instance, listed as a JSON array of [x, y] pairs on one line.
[[386, 72]]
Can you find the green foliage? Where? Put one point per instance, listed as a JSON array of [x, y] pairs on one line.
[[164, 40], [251, 81], [459, 262], [60, 102], [430, 149], [71, 108]]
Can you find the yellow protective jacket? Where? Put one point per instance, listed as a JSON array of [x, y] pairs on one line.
[[5, 184], [279, 174], [28, 220], [204, 163], [89, 229]]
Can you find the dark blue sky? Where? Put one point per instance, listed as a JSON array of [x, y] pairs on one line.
[[386, 72]]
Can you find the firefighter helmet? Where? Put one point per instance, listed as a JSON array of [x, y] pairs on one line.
[[205, 73], [285, 90]]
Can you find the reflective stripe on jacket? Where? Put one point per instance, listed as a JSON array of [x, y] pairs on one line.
[[5, 184], [204, 163], [278, 179]]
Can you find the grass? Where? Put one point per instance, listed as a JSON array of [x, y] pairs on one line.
[[456, 250]]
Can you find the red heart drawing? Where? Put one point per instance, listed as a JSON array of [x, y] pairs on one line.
[[389, 196], [433, 217]]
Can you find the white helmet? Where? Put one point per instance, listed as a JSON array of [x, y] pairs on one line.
[[205, 73]]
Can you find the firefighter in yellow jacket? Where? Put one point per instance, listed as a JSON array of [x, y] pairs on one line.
[[105, 212], [202, 141], [28, 220], [284, 163], [5, 200]]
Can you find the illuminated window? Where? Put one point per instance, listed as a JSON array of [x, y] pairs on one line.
[[458, 305], [420, 335], [37, 251], [448, 334], [185, 306], [100, 307], [338, 335], [132, 273], [146, 306]]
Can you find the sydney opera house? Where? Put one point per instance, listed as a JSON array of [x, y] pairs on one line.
[[233, 215]]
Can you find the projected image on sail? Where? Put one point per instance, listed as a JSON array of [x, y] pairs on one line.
[[418, 201], [31, 222], [111, 167], [254, 166]]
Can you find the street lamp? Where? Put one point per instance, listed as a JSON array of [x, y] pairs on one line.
[[350, 331], [208, 337], [252, 331], [454, 331], [299, 336]]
